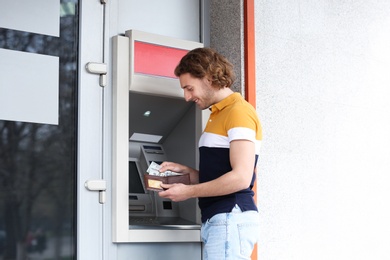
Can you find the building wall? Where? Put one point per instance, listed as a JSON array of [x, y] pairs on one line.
[[323, 90], [227, 35]]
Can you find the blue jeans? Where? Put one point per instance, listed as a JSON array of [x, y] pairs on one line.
[[230, 235]]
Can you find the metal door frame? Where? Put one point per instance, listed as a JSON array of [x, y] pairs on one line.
[[93, 228]]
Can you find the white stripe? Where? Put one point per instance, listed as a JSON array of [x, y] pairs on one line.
[[213, 140], [242, 133], [219, 141]]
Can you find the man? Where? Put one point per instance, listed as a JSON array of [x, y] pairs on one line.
[[228, 148]]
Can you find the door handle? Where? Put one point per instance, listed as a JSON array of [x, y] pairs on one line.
[[97, 185], [98, 69]]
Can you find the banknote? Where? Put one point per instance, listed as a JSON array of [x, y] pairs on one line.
[[154, 169]]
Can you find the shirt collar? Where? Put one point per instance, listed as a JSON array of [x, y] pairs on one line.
[[225, 102]]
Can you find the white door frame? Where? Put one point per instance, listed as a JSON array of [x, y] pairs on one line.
[[91, 234]]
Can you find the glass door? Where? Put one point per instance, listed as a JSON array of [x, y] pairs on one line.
[[51, 127], [38, 129]]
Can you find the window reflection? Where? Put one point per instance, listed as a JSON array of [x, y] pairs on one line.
[[38, 162]]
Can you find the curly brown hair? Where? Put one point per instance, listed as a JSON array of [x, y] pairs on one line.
[[206, 62]]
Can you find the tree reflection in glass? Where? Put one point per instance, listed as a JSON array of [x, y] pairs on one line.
[[37, 161]]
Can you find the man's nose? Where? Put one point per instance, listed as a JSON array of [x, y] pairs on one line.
[[187, 96]]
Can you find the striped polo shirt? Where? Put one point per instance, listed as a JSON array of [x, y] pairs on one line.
[[233, 118]]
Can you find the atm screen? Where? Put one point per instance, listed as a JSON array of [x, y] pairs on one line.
[[135, 183]]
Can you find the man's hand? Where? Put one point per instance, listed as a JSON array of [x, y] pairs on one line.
[[174, 167], [176, 192], [179, 168]]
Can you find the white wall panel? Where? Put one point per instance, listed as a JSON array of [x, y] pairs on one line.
[[38, 16], [28, 87], [173, 18]]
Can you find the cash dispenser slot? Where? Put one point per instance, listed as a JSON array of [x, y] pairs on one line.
[[136, 208], [163, 214]]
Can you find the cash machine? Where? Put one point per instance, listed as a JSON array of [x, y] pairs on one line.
[[151, 123]]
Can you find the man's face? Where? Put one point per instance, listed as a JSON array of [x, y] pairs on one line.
[[197, 90]]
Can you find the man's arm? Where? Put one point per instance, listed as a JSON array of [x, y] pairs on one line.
[[242, 160]]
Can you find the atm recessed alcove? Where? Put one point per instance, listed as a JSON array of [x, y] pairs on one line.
[[165, 113]]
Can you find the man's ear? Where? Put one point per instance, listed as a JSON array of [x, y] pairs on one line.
[[208, 80]]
